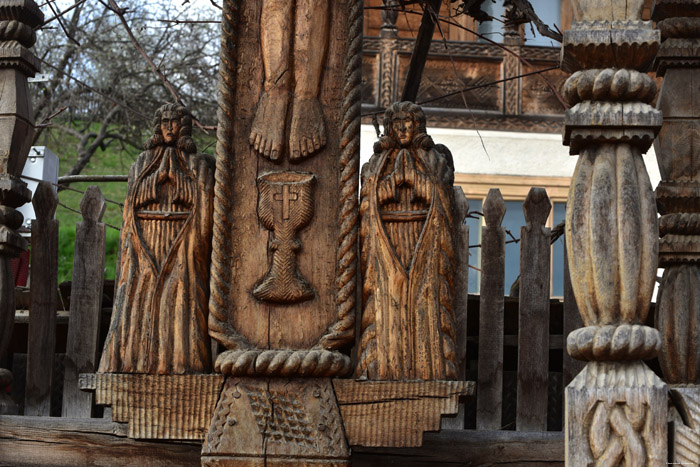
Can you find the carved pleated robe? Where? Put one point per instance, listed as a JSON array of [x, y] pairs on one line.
[[159, 321], [407, 242]]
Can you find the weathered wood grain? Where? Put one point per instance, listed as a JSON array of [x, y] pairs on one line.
[[308, 64], [42, 316], [491, 314], [159, 323], [33, 441], [533, 328], [408, 234], [572, 320], [396, 413], [26, 441], [276, 421], [158, 406], [85, 304], [460, 302], [471, 448]]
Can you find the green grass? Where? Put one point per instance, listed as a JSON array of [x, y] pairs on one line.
[[114, 160]]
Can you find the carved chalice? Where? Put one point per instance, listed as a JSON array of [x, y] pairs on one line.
[[285, 206]]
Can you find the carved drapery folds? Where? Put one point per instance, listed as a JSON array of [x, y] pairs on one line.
[[678, 202], [408, 236], [18, 19], [159, 323], [616, 405]]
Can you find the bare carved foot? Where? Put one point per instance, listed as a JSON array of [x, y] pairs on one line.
[[308, 131], [267, 133]]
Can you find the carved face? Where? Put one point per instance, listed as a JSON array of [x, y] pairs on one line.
[[170, 127], [403, 127]]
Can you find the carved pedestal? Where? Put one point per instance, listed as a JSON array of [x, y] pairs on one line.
[[615, 408], [276, 421], [678, 202]]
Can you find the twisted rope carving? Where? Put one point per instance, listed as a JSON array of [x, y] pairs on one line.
[[18, 31], [680, 223], [311, 363], [610, 342], [679, 27], [609, 84], [342, 332], [220, 282]]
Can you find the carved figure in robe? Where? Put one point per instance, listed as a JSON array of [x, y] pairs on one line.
[[408, 230], [159, 321], [294, 38]]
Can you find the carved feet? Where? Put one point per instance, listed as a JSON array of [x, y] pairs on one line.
[[267, 133], [307, 134]]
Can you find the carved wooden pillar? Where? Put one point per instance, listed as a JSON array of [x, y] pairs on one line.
[[18, 18], [616, 407], [678, 201], [285, 237], [388, 54], [513, 40]]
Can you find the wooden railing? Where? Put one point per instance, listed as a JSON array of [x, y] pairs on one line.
[[512, 333]]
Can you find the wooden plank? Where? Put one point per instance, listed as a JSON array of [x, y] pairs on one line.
[[85, 304], [460, 302], [396, 413], [490, 366], [71, 442], [572, 320], [63, 442], [158, 406], [473, 448], [533, 329], [42, 316]]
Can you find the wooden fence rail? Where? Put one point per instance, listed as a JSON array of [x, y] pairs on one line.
[[494, 344]]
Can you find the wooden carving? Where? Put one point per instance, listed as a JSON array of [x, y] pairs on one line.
[[677, 151], [285, 205], [284, 256], [616, 407], [408, 234], [159, 322], [18, 21], [294, 37]]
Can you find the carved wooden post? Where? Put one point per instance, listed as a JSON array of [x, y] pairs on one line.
[[513, 40], [42, 311], [616, 407], [285, 235], [18, 18], [677, 198], [388, 54], [85, 304]]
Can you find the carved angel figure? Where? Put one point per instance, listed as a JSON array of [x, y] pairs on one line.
[[408, 233], [159, 321]]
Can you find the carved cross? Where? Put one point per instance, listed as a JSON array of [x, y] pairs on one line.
[[286, 196]]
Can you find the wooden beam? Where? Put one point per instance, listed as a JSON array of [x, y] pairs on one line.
[[92, 441], [66, 441], [420, 50]]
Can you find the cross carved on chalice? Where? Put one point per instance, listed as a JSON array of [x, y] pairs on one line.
[[285, 206]]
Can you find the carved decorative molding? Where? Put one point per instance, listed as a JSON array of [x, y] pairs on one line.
[[616, 407]]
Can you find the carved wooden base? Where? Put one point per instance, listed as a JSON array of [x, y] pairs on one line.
[[616, 415], [157, 406], [396, 413], [276, 421], [684, 439]]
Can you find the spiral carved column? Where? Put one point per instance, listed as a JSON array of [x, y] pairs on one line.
[[678, 202], [18, 19], [616, 407]]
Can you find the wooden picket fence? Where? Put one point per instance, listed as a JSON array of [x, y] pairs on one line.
[[516, 389]]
